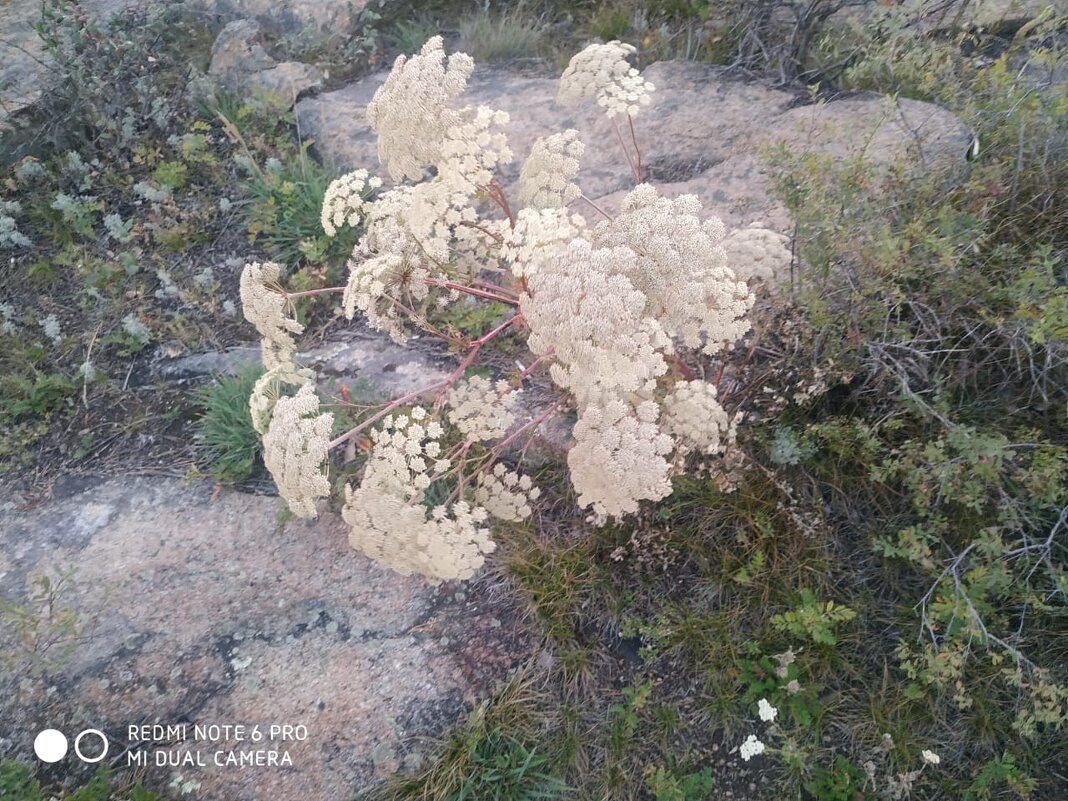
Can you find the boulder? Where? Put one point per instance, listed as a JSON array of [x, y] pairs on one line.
[[240, 62]]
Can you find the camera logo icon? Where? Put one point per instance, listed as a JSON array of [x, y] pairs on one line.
[[50, 745]]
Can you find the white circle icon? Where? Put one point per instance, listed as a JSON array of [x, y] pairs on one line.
[[50, 745], [78, 741]]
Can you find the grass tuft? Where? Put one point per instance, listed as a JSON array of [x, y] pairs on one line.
[[225, 428]]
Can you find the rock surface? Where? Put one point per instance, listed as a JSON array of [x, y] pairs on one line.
[[704, 132], [204, 608], [240, 61], [22, 58], [323, 17]]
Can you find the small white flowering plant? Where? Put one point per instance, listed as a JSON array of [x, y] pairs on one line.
[[610, 309]]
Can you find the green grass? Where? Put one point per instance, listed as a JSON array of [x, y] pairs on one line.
[[500, 36], [225, 429], [495, 755], [17, 783], [283, 207]]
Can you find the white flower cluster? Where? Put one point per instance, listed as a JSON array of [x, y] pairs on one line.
[[592, 318], [265, 305], [758, 253], [679, 267], [601, 72], [345, 199], [750, 748], [605, 307], [693, 414], [619, 458], [539, 235], [411, 230], [295, 449], [386, 514], [471, 149], [546, 180], [480, 409], [766, 711], [410, 112], [505, 494]]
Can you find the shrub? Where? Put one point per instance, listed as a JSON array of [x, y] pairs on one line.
[[111, 84], [610, 311]]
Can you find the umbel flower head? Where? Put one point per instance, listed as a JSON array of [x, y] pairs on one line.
[[387, 517], [295, 450], [480, 409], [602, 73], [583, 308], [265, 306], [546, 180], [411, 111], [345, 200], [680, 267], [619, 458]]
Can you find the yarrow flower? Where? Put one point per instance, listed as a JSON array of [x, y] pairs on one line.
[[750, 748], [766, 711], [601, 73], [930, 757]]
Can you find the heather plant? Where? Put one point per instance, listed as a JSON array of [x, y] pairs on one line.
[[611, 310]]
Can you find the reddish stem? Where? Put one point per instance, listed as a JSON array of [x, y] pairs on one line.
[[470, 290], [307, 293], [637, 150]]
